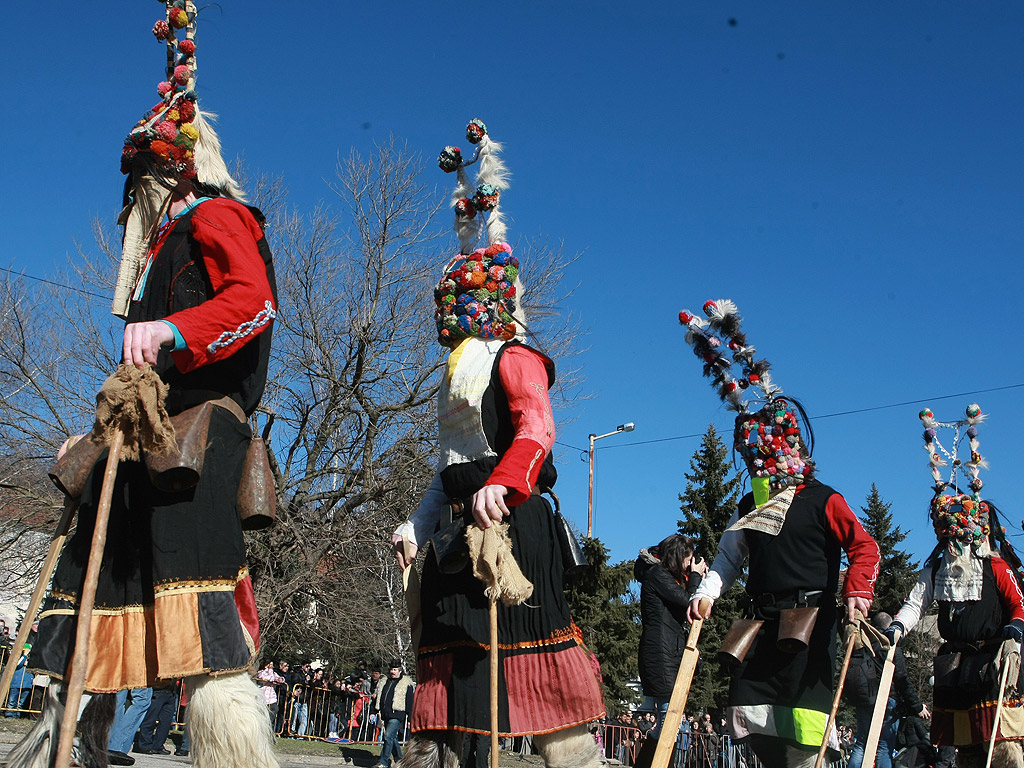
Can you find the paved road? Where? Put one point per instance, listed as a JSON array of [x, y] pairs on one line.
[[170, 761]]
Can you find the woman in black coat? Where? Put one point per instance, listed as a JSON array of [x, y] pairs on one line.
[[668, 575]]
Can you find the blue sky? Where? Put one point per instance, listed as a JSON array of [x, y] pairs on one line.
[[849, 174]]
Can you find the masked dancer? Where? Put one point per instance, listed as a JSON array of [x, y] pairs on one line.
[[791, 531], [496, 432], [196, 289], [974, 575]]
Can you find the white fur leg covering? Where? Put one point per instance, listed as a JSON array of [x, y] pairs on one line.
[[228, 723], [38, 748], [433, 749], [571, 748]]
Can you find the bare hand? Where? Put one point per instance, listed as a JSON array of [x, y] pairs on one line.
[[403, 561], [861, 604], [142, 341], [693, 613], [700, 565], [67, 444], [489, 504], [925, 712]]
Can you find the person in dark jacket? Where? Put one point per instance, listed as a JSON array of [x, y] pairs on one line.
[[668, 574]]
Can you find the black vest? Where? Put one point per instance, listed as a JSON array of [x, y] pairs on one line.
[[974, 620], [178, 280], [463, 480], [804, 555]]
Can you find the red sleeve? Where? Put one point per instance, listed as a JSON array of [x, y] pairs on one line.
[[860, 548], [524, 377], [242, 306], [1009, 588]]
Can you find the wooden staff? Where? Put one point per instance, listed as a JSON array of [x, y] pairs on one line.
[[835, 700], [680, 691], [60, 535], [999, 714], [493, 611], [75, 677], [881, 704]]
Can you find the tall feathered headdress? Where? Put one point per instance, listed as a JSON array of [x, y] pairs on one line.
[[479, 294], [720, 342], [173, 141], [767, 430], [477, 208], [963, 518]]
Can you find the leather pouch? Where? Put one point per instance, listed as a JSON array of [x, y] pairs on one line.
[[795, 627], [739, 640], [257, 494]]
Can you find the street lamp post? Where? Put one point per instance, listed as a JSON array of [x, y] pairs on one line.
[[628, 427]]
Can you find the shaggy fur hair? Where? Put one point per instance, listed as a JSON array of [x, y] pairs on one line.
[[228, 723], [1006, 754], [38, 749], [434, 749], [570, 748]]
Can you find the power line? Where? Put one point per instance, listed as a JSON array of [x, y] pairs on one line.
[[815, 418], [10, 271]]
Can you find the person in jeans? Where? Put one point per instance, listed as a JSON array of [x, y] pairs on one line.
[[21, 686], [156, 725], [300, 681], [393, 702], [128, 717]]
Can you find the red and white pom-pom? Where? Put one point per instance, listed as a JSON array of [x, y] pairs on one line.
[[163, 88], [685, 317], [161, 30], [718, 310], [182, 74], [187, 47]]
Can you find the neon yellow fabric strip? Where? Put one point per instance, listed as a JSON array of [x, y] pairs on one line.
[[804, 726]]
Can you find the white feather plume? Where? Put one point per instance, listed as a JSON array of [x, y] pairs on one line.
[[720, 309], [210, 166], [467, 229]]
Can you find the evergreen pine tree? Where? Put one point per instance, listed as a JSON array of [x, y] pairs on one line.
[[608, 615], [710, 498], [897, 572]]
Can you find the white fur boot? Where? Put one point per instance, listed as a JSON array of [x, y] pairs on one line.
[[570, 748], [228, 723]]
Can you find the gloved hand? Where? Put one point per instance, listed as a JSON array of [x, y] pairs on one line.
[[894, 632], [1008, 658], [1014, 631]]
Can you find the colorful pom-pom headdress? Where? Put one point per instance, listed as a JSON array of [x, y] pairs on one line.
[[479, 294], [767, 432], [173, 143], [961, 519]]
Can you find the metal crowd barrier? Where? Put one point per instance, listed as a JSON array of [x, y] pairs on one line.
[[33, 701], [317, 713]]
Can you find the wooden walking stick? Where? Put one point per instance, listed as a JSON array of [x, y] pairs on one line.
[[680, 692], [835, 700], [60, 535], [999, 714], [75, 679], [493, 615], [881, 704]]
